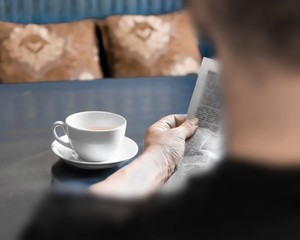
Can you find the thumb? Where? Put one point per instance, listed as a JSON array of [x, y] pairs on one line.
[[188, 128]]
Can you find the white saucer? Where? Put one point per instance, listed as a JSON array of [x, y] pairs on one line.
[[128, 150]]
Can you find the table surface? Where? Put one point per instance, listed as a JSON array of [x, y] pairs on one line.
[[28, 110]]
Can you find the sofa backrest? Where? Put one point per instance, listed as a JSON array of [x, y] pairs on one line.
[[52, 11]]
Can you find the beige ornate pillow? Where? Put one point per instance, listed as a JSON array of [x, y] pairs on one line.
[[49, 52], [138, 45]]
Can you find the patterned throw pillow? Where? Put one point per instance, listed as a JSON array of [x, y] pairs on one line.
[[49, 52], [138, 45]]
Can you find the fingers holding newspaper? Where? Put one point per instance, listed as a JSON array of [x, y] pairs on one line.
[[169, 134]]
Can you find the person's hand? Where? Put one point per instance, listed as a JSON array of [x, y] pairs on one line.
[[164, 146], [168, 136]]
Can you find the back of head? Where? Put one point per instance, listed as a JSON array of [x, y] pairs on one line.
[[264, 28]]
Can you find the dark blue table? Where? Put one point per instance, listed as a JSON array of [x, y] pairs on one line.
[[28, 111]]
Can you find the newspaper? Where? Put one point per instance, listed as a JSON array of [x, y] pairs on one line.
[[204, 148]]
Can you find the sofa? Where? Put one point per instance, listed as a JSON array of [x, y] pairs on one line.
[[53, 11], [33, 15]]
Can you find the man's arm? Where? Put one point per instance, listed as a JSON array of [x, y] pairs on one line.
[[84, 216], [164, 146]]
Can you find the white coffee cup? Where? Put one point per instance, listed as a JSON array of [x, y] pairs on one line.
[[94, 136]]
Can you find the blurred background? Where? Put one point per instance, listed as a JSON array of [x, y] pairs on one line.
[[140, 58], [54, 40]]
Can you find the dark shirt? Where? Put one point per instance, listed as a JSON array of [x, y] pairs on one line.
[[235, 201]]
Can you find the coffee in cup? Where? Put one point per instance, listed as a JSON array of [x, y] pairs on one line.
[[101, 128]]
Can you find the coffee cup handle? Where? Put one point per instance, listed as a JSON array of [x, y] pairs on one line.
[[63, 126]]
